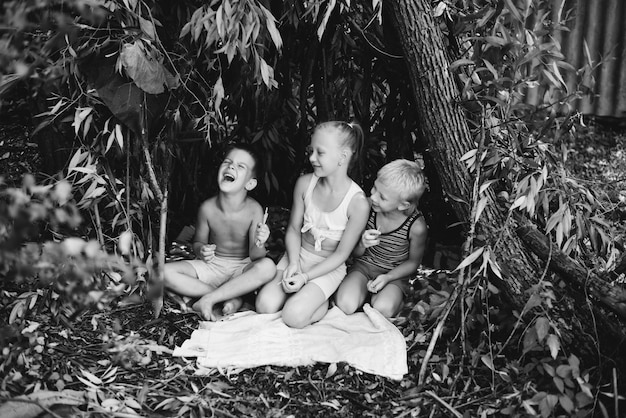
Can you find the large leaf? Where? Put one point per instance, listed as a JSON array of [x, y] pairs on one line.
[[146, 69], [36, 403]]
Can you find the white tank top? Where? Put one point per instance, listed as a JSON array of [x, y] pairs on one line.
[[326, 224]]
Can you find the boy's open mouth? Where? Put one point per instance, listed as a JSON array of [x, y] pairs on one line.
[[229, 177]]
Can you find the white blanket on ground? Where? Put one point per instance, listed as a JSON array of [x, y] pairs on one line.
[[365, 340]]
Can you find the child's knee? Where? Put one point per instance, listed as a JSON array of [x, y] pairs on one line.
[[386, 307], [265, 268], [296, 314], [266, 306], [294, 319], [347, 303]]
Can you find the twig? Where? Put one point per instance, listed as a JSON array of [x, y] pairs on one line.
[[444, 403], [615, 393], [468, 245], [433, 341], [96, 214]]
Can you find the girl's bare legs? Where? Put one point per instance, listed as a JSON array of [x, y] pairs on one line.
[[271, 297], [352, 292], [305, 307], [388, 301]]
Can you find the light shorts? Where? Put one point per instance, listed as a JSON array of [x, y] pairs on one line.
[[219, 270], [371, 272], [328, 282]]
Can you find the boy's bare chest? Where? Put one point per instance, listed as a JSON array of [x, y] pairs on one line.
[[229, 224]]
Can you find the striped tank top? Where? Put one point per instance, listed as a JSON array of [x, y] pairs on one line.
[[393, 248]]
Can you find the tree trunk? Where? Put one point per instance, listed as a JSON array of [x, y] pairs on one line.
[[443, 122]]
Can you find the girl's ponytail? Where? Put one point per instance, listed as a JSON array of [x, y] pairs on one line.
[[355, 169]]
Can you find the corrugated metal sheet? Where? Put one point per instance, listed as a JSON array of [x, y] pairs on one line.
[[598, 36]]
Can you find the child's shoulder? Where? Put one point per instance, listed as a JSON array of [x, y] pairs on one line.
[[305, 179], [252, 204], [208, 204], [419, 228], [303, 182]]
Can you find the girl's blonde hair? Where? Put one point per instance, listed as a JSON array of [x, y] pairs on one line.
[[406, 177], [351, 136]]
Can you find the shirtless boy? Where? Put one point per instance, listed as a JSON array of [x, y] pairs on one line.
[[228, 242]]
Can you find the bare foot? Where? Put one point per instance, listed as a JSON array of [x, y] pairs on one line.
[[204, 306], [232, 306]]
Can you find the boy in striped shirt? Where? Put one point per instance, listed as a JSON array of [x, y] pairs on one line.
[[392, 245]]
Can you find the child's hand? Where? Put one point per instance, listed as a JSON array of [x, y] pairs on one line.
[[291, 270], [369, 238], [294, 283], [262, 234], [207, 252], [376, 285], [262, 231]]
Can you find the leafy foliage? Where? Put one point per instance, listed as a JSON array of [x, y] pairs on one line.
[[138, 82], [505, 54]]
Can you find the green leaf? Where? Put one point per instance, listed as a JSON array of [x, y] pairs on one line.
[[218, 93], [547, 404], [495, 40], [554, 345], [485, 186], [566, 403], [147, 27], [542, 325], [519, 202], [270, 22], [332, 369], [470, 258], [146, 69], [558, 382], [460, 62], [488, 361], [469, 154], [92, 378], [482, 203], [110, 141], [530, 339], [119, 136], [514, 10], [322, 26]]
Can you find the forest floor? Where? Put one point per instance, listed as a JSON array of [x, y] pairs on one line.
[[118, 362]]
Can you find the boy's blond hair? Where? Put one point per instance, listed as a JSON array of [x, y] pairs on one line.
[[405, 177]]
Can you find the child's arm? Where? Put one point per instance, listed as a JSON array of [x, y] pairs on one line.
[[255, 251], [293, 236], [369, 238], [417, 244], [358, 212], [201, 237]]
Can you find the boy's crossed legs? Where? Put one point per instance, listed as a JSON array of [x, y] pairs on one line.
[[195, 278], [252, 277]]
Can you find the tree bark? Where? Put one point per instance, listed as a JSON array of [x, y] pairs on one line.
[[444, 124], [613, 297]]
